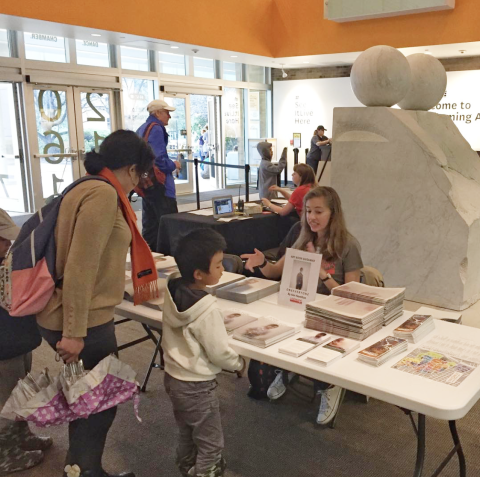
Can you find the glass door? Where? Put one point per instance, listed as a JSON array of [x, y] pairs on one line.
[[179, 141], [93, 119], [63, 123], [52, 139], [13, 187]]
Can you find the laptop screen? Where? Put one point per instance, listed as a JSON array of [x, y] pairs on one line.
[[223, 205]]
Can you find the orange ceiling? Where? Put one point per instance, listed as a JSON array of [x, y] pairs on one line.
[[276, 28]]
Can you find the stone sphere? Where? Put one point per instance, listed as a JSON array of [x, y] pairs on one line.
[[380, 76], [429, 82]]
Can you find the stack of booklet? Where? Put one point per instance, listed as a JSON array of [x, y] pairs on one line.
[[155, 303], [227, 279], [234, 319], [248, 290], [344, 317], [415, 328], [167, 271], [304, 344], [332, 352], [383, 350], [265, 332], [390, 298]]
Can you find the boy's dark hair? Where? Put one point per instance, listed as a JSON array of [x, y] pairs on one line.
[[196, 250]]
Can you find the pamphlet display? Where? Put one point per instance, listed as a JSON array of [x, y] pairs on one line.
[[390, 298], [304, 344], [383, 350], [415, 328], [264, 332], [248, 290], [332, 352], [299, 278], [344, 317], [442, 359]]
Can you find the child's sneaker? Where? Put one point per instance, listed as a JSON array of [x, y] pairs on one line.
[[330, 400]]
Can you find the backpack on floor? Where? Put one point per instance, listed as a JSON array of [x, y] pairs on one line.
[[260, 375], [28, 278]]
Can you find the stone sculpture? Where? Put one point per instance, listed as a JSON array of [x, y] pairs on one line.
[[410, 188]]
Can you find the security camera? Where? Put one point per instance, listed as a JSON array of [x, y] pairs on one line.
[[195, 50]]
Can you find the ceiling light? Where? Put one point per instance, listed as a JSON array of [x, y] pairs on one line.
[[96, 34], [306, 62], [284, 75], [233, 56], [174, 47]]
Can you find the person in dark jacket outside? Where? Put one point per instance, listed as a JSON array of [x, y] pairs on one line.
[[160, 198], [20, 449]]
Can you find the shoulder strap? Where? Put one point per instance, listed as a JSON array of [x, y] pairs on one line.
[[83, 179], [148, 130]]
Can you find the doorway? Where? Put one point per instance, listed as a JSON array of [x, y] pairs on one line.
[[64, 122]]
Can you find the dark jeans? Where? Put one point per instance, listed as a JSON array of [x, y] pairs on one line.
[[87, 436], [155, 204], [313, 163]]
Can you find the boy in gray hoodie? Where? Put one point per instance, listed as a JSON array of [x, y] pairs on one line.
[[268, 172], [196, 349]]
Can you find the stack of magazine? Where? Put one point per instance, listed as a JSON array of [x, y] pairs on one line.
[[344, 317], [415, 328], [383, 350], [390, 298], [227, 279], [248, 290], [264, 332], [303, 345], [332, 352], [233, 319]]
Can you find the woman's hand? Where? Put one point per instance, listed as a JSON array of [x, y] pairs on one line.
[[266, 202], [253, 259], [311, 248], [70, 348], [323, 273], [274, 188]]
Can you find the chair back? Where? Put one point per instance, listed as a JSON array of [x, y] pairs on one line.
[[232, 263], [371, 276]]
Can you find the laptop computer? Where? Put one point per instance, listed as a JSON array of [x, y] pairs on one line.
[[223, 207]]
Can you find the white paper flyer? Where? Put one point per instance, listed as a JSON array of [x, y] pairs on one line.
[[300, 277]]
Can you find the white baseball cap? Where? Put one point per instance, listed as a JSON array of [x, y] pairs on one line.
[[157, 105]]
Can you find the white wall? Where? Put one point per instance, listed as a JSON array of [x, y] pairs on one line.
[[302, 105]]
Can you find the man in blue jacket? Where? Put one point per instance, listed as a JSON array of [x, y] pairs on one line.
[[158, 194], [20, 449]]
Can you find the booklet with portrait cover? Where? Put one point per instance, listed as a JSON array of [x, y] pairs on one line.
[[415, 328], [265, 332], [383, 350], [300, 277], [234, 319], [332, 351], [304, 344], [154, 303], [248, 290], [227, 279]]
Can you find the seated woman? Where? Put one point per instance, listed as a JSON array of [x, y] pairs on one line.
[[323, 231], [304, 178]]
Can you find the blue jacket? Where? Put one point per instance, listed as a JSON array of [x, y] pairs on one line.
[[158, 139]]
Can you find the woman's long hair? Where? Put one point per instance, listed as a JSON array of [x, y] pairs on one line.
[[334, 241], [307, 175]]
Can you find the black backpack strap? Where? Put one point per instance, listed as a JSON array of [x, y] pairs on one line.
[[83, 179]]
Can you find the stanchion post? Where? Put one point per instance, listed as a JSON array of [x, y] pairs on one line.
[[295, 156], [247, 182], [197, 183], [306, 153], [285, 177]]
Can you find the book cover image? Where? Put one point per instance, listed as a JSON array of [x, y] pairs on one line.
[[249, 285], [381, 347], [264, 332], [412, 323], [341, 345], [234, 319], [314, 339]]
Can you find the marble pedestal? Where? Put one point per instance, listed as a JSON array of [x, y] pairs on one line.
[[410, 188]]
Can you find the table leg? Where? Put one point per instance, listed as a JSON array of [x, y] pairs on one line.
[[152, 365], [420, 446], [458, 448]]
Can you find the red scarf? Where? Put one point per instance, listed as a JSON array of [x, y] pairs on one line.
[[144, 272]]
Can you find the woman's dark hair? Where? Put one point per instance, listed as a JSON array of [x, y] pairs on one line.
[[306, 173], [196, 250], [119, 149]]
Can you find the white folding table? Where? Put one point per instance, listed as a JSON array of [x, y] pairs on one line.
[[407, 391]]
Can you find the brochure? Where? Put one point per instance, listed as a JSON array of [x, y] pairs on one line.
[[383, 350], [299, 278], [248, 290], [305, 344], [264, 332], [234, 319]]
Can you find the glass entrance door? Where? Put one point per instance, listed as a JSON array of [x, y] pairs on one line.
[[63, 123]]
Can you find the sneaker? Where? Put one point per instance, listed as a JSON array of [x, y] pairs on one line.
[[277, 389], [330, 400], [16, 459]]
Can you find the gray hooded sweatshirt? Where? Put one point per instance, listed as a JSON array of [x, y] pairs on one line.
[[268, 172], [195, 341]]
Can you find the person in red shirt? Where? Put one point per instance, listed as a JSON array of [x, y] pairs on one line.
[[304, 178]]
